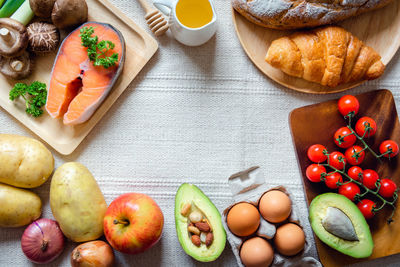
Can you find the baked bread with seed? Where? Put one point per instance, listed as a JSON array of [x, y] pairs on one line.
[[294, 14]]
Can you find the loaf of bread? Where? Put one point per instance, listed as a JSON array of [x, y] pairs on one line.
[[329, 55], [294, 14]]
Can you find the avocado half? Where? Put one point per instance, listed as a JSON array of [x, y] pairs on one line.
[[188, 193], [340, 224]]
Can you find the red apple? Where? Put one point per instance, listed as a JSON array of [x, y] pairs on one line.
[[133, 223]]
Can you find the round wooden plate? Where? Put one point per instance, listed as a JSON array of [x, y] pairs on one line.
[[379, 29]]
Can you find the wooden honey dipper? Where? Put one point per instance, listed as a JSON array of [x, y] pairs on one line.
[[156, 21]]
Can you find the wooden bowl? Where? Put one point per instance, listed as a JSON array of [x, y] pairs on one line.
[[316, 124], [379, 29]]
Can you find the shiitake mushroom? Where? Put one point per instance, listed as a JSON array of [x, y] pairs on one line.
[[17, 67], [43, 37], [69, 13], [42, 8]]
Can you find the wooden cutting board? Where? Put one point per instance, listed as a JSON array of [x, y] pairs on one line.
[[379, 29], [140, 47], [316, 124]]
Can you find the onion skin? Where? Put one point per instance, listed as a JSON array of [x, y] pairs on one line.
[[92, 254], [42, 241]]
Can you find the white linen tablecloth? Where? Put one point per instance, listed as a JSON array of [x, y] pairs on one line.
[[192, 115]]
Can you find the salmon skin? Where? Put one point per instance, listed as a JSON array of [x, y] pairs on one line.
[[77, 87]]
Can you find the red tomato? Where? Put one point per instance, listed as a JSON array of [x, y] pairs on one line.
[[347, 104], [370, 177], [314, 172], [335, 159], [344, 142], [366, 207], [387, 189], [355, 173], [363, 123], [315, 153], [349, 190], [332, 179], [389, 144], [354, 155]]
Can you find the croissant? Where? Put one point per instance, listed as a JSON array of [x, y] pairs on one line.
[[329, 56]]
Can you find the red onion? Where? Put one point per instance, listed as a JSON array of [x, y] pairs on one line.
[[42, 241]]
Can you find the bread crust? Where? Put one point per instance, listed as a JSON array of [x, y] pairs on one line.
[[295, 14], [327, 55]]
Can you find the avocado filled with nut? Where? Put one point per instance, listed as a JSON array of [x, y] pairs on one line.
[[198, 224]]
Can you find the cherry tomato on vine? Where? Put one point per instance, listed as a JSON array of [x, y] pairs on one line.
[[349, 190], [331, 180], [370, 177], [362, 124], [315, 153], [355, 172], [386, 145], [387, 189], [335, 160], [354, 155], [366, 207], [347, 104], [314, 172], [344, 138]]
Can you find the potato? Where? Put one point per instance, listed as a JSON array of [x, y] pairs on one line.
[[77, 202], [18, 207], [24, 162]]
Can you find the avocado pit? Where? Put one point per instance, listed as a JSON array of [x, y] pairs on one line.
[[337, 223]]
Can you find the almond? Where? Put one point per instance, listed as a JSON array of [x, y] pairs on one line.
[[194, 230], [209, 239], [196, 240], [185, 209], [206, 221], [203, 226]]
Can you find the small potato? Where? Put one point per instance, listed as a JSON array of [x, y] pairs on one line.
[[77, 202], [24, 162], [18, 207]]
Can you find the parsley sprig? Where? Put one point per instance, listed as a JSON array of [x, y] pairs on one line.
[[35, 96], [97, 50]]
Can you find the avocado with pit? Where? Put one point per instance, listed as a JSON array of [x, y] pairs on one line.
[[339, 223], [189, 195]]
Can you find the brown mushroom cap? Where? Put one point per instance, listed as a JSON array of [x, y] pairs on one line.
[[69, 13], [43, 37], [42, 8], [17, 67], [13, 38]]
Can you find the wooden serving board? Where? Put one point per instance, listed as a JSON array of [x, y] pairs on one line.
[[316, 124], [140, 47], [379, 29]]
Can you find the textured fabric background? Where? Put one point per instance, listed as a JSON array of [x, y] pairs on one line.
[[193, 115]]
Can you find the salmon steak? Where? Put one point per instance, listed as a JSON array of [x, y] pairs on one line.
[[77, 87]]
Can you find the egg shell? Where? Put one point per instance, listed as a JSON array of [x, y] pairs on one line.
[[275, 206], [235, 219], [289, 239], [256, 252]]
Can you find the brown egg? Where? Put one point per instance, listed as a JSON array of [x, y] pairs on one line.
[[243, 219], [256, 252], [289, 239], [275, 206]]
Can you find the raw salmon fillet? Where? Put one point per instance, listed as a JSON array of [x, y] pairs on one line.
[[77, 87]]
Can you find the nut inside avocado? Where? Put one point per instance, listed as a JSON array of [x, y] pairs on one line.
[[198, 224], [337, 223]]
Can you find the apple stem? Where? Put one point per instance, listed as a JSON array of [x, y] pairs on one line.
[[124, 222]]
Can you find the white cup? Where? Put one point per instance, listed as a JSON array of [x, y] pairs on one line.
[[185, 35]]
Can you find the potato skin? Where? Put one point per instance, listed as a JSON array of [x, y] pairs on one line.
[[24, 162], [77, 202], [18, 207]]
